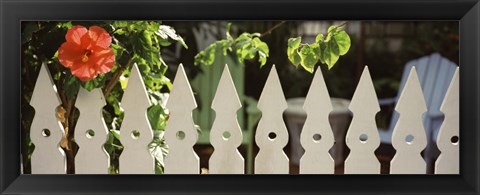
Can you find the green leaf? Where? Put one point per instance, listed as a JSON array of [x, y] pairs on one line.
[[319, 38], [156, 116], [293, 44], [262, 46], [119, 24], [118, 51], [262, 58], [71, 86], [97, 82], [143, 47], [343, 41], [206, 57], [330, 54], [294, 57], [308, 58], [226, 45]]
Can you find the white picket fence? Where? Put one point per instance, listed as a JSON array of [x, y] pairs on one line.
[[317, 138]]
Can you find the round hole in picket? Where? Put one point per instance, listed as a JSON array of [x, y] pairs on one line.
[[180, 135], [272, 136], [45, 132], [317, 137], [363, 138], [455, 140], [409, 139], [90, 134], [135, 134], [226, 135]]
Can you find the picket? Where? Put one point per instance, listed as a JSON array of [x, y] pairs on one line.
[[91, 133], [136, 132], [226, 135], [180, 133], [272, 135], [316, 138], [362, 136], [409, 137], [46, 131], [448, 136]]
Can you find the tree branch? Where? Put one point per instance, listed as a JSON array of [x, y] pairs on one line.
[[269, 31], [116, 75]]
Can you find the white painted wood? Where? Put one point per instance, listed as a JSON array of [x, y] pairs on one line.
[[448, 161], [317, 136], [136, 157], [362, 136], [226, 134], [411, 106], [181, 158], [91, 133], [46, 131], [271, 159]]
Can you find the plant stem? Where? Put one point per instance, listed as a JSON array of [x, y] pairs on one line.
[[116, 75], [269, 31]]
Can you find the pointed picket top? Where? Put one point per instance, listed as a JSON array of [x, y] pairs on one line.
[[46, 130], [271, 93], [91, 133], [45, 93], [409, 137], [180, 132], [448, 141], [136, 132], [272, 135], [317, 136], [409, 101], [185, 96], [225, 91], [226, 135], [90, 101], [318, 95], [135, 97], [362, 136], [365, 96]]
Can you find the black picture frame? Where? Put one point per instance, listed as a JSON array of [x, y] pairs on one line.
[[467, 12]]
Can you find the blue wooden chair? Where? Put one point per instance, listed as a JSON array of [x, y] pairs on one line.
[[435, 73]]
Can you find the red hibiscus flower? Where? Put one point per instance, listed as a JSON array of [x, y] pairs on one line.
[[87, 53]]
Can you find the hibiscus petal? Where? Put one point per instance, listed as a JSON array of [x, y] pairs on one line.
[[75, 34], [69, 53], [104, 60], [100, 36], [84, 71]]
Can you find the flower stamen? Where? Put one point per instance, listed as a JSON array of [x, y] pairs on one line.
[[85, 58]]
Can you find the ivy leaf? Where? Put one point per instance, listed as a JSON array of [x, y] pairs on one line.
[[308, 58]]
